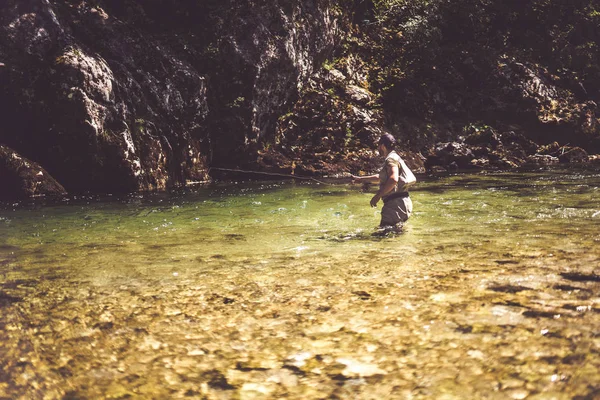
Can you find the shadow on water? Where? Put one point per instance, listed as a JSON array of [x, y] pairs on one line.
[[508, 288], [377, 235], [7, 299], [331, 193], [580, 277]]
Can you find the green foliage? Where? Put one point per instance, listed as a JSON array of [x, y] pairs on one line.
[[332, 63], [476, 127], [237, 102], [384, 8], [430, 54], [139, 126], [328, 64]]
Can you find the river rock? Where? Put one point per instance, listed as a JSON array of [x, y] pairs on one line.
[[574, 155], [20, 177], [514, 140], [480, 163], [459, 155], [542, 159], [485, 137], [484, 148], [550, 149]]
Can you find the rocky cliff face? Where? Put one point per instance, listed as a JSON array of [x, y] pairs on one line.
[[133, 95], [528, 67], [141, 95]]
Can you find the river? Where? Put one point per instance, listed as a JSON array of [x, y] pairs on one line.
[[270, 290]]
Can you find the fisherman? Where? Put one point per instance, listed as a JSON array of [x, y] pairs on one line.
[[394, 180]]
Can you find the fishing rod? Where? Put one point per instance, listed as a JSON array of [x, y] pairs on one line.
[[304, 178]]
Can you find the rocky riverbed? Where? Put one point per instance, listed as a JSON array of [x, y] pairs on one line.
[[272, 291]]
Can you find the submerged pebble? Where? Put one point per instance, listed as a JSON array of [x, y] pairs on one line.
[[463, 304]]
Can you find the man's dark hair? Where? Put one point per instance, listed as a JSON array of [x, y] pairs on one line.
[[387, 140]]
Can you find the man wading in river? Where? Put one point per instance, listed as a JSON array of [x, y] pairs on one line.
[[394, 180]]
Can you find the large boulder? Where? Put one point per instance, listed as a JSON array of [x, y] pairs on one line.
[[547, 106], [20, 177], [574, 155], [98, 104], [484, 148], [126, 95], [451, 154], [542, 159]]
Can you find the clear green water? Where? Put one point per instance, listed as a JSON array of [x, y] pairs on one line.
[[279, 290]]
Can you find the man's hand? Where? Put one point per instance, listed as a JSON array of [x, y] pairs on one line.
[[356, 179], [375, 200]]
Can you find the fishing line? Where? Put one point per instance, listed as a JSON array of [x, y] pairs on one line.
[[304, 178]]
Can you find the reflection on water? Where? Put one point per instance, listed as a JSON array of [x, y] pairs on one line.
[[271, 290]]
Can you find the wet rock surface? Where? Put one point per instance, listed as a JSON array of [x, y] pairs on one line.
[[20, 177]]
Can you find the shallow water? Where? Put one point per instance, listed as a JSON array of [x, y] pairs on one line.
[[273, 290]]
